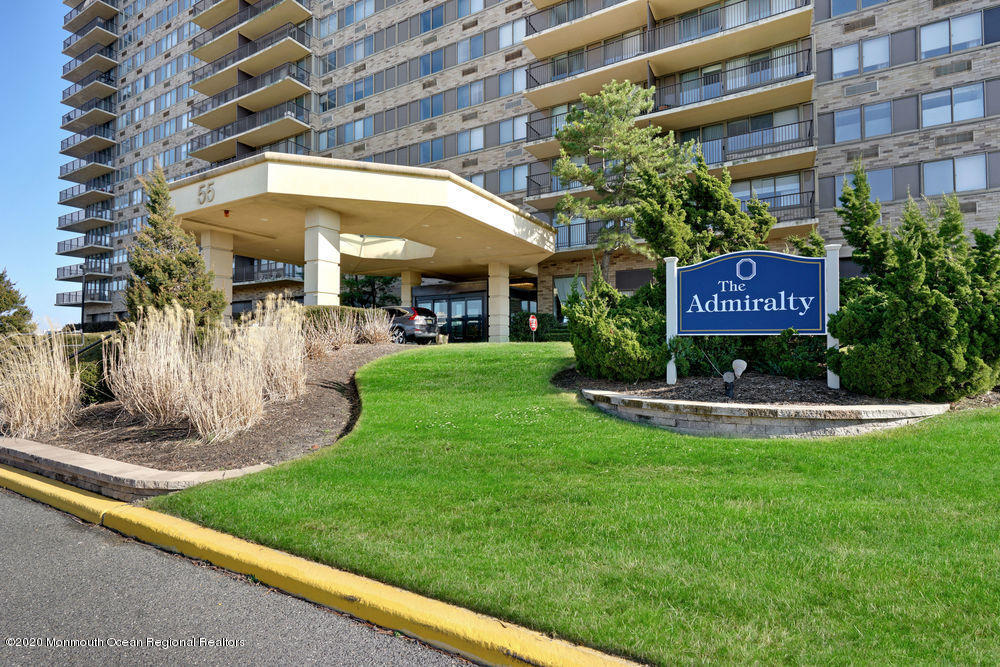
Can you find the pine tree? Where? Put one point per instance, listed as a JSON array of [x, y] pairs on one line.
[[862, 223], [15, 317], [602, 148], [165, 263]]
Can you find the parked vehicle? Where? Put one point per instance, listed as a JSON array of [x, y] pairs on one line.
[[412, 324]]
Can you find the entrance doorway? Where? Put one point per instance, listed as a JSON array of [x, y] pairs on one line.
[[461, 316]]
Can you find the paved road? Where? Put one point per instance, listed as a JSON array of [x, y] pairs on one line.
[[61, 579]]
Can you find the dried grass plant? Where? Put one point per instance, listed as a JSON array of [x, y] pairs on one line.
[[39, 386], [374, 326], [329, 331], [278, 338]]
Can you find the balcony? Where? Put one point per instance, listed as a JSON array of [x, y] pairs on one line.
[[85, 195], [251, 22], [94, 112], [274, 273], [99, 31], [89, 269], [207, 13], [285, 45], [89, 141], [760, 86], [86, 168], [87, 11], [281, 84], [69, 298], [97, 58], [673, 46], [84, 221], [94, 85], [84, 246], [266, 127], [578, 234]]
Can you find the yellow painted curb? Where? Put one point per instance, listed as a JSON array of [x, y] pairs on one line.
[[481, 637], [84, 504]]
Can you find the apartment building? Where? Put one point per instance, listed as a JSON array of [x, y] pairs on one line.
[[784, 94]]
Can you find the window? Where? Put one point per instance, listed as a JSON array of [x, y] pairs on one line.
[[514, 178], [470, 140], [957, 34], [326, 25], [512, 82], [967, 102], [511, 33], [845, 61], [477, 179], [839, 7], [470, 94], [432, 106], [431, 151], [874, 53], [878, 119], [432, 18], [513, 129], [958, 175], [470, 48], [431, 62], [879, 182], [563, 288], [846, 125], [936, 108], [466, 7]]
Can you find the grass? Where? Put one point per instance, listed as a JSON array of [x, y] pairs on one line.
[[469, 478]]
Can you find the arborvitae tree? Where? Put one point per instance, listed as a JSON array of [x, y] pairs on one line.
[[368, 291], [862, 223], [165, 262], [698, 217], [602, 148], [15, 317]]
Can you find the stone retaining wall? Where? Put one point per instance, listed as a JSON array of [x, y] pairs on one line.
[[760, 421], [122, 481]]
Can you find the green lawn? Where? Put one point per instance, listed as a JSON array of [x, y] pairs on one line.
[[471, 479]]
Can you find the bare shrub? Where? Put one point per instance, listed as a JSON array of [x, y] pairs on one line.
[[374, 326], [329, 331], [277, 334], [225, 392], [39, 390], [149, 366]]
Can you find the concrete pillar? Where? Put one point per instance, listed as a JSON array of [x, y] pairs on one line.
[[217, 251], [322, 258], [409, 280], [831, 268], [498, 291]]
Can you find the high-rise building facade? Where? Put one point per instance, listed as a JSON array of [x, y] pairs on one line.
[[784, 94]]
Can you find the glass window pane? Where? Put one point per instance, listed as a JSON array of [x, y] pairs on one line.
[[881, 184], [970, 173], [846, 125], [936, 108], [476, 139], [938, 177], [878, 119], [966, 31], [845, 61], [934, 39], [874, 53], [968, 102], [839, 7]]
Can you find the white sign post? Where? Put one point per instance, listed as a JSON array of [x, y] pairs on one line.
[[671, 314], [832, 279]]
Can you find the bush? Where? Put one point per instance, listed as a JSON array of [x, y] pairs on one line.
[[39, 392], [520, 332], [374, 326], [93, 384]]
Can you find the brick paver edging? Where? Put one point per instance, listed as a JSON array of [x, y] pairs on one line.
[[760, 420], [114, 479]]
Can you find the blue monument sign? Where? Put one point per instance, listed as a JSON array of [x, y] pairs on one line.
[[751, 293]]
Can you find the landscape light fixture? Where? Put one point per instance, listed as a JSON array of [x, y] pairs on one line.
[[729, 377]]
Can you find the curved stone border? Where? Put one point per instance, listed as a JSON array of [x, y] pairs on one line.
[[760, 421], [108, 477]]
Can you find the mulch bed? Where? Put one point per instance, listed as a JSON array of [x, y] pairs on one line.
[[327, 411], [751, 388]]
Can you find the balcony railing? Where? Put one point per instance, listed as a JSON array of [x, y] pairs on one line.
[[203, 5], [69, 272], [288, 70], [84, 6], [105, 24], [670, 33], [83, 188], [104, 104], [733, 80], [102, 77], [239, 18], [289, 146], [95, 50], [69, 298], [88, 240], [96, 294], [287, 31], [98, 131], [758, 143], [577, 234], [285, 110], [76, 165], [788, 206], [256, 274], [564, 12], [88, 213]]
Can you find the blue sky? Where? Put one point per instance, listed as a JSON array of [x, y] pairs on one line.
[[30, 112]]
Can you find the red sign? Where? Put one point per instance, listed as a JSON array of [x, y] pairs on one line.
[[533, 323]]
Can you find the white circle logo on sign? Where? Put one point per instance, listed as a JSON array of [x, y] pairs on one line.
[[746, 269]]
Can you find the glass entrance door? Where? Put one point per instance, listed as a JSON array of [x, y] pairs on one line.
[[460, 316]]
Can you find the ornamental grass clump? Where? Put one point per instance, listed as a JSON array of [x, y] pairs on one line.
[[329, 331], [276, 337], [39, 386], [374, 326]]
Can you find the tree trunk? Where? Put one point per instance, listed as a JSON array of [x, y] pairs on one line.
[[606, 265]]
